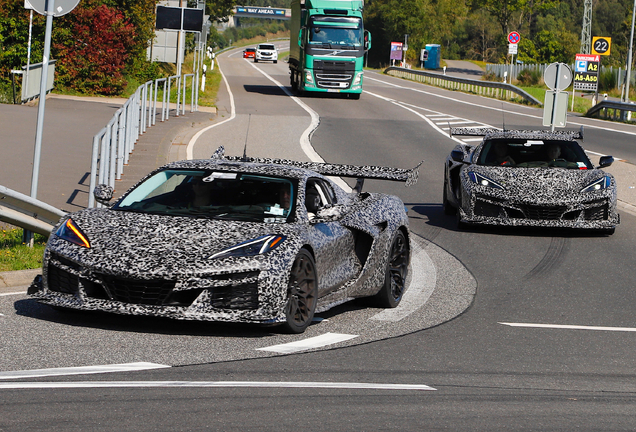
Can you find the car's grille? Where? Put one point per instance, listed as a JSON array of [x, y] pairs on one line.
[[244, 296], [138, 291], [486, 209], [62, 281], [543, 213], [596, 213]]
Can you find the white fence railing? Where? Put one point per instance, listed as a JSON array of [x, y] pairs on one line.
[[113, 144]]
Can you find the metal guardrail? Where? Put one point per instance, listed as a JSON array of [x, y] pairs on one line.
[[488, 88], [621, 111], [113, 144], [26, 212]]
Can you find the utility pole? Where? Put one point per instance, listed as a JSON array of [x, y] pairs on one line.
[[586, 33]]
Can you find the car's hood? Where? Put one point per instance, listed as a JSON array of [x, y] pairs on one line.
[[126, 242], [540, 184]]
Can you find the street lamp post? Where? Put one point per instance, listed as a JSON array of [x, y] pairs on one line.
[[629, 54]]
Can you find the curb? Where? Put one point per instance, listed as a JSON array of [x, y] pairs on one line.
[[18, 278]]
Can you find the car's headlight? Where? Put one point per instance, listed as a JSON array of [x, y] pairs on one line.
[[69, 231], [600, 184], [252, 247], [483, 180]]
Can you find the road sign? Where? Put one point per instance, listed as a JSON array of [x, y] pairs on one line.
[[396, 51], [601, 45], [557, 76], [512, 48], [586, 68], [514, 37], [61, 7], [555, 109]]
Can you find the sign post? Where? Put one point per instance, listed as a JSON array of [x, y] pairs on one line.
[[513, 40], [49, 9], [396, 52], [586, 70], [558, 77]]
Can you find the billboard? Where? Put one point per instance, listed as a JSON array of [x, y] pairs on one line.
[[586, 68], [396, 50]]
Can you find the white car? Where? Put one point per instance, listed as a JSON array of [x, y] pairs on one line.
[[266, 52]]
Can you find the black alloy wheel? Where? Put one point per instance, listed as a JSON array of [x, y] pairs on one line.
[[302, 293], [396, 271]]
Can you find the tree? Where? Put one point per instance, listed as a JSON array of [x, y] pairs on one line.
[[92, 44]]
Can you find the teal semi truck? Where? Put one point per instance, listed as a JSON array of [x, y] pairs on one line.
[[327, 46]]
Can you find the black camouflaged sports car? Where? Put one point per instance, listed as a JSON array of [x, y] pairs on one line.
[[528, 178], [232, 239]]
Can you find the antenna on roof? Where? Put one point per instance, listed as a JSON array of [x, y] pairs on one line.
[[249, 119]]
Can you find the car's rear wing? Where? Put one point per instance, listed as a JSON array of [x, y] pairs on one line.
[[409, 176], [519, 134]]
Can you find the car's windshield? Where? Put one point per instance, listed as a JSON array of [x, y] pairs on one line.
[[534, 154], [213, 194], [335, 31], [267, 47]]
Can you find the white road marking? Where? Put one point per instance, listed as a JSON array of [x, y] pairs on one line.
[[190, 147], [307, 344], [511, 112], [570, 327], [305, 139], [423, 282], [208, 384], [13, 293], [81, 370]]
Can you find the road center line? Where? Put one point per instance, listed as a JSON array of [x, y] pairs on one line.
[[81, 370], [207, 384], [570, 327], [310, 343]]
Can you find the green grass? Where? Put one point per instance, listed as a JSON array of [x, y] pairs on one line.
[[581, 105], [15, 255]]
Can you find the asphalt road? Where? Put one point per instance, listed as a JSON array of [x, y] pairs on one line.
[[547, 344]]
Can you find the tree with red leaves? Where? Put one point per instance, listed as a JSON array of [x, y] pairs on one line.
[[92, 44]]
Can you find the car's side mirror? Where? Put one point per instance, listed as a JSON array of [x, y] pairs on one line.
[[103, 193], [605, 161], [332, 213], [457, 155]]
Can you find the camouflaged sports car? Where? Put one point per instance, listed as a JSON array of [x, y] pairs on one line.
[[232, 239], [528, 178]]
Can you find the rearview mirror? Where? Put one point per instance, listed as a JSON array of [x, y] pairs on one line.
[[605, 161], [103, 193], [457, 155]]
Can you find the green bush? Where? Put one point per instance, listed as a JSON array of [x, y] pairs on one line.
[[607, 80], [529, 77]]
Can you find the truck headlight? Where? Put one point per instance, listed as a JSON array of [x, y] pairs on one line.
[[358, 79], [309, 78]]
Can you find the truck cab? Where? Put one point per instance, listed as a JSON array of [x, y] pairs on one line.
[[327, 46]]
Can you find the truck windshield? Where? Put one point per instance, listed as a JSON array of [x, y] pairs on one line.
[[338, 31]]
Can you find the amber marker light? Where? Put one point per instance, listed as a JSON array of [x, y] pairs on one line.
[[69, 231]]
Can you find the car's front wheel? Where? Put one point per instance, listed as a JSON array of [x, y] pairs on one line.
[[396, 271], [302, 293]]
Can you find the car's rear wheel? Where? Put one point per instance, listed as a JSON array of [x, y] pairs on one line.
[[302, 293], [396, 271]]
